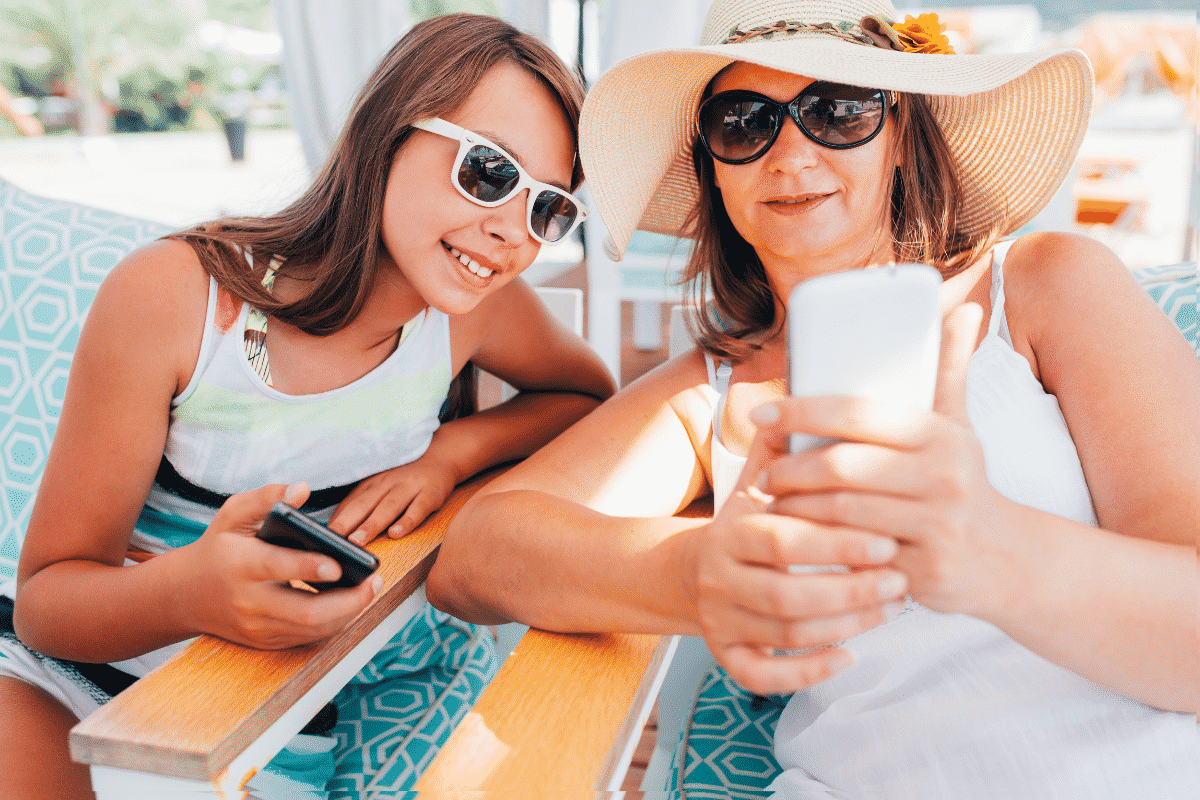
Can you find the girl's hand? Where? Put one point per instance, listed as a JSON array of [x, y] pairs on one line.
[[416, 489], [917, 477], [749, 605], [237, 586]]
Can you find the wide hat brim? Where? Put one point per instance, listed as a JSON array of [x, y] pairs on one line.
[[1013, 123]]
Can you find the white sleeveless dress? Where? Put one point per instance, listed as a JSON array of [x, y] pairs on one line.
[[948, 707]]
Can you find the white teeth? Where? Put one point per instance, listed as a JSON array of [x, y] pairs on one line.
[[467, 262]]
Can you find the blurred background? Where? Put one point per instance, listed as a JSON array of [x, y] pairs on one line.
[[183, 110]]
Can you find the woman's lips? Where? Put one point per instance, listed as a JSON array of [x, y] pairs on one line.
[[797, 204]]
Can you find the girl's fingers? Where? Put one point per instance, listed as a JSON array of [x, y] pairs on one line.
[[309, 617], [283, 564], [421, 507], [352, 512]]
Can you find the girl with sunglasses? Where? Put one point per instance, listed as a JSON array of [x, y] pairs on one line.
[[1018, 616], [308, 357]]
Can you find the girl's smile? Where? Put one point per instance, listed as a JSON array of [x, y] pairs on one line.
[[448, 251]]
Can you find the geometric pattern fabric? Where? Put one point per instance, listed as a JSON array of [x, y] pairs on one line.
[[53, 255], [395, 715], [727, 747]]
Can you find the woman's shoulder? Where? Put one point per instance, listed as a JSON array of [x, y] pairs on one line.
[[1050, 260]]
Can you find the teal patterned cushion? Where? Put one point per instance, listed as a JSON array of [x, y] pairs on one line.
[[727, 749], [54, 256], [1173, 288]]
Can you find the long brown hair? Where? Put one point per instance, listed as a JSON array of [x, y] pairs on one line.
[[926, 196], [333, 230]]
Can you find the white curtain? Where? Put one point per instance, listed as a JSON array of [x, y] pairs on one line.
[[330, 48], [635, 26]]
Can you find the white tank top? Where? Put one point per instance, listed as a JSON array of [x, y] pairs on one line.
[[948, 707], [231, 432]]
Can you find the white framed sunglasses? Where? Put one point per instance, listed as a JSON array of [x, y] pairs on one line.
[[487, 176]]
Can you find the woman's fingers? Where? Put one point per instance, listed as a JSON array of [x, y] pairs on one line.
[[960, 331], [801, 633], [839, 417], [777, 541], [904, 518], [760, 671], [806, 594]]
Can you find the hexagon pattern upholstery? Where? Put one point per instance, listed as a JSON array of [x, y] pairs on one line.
[[54, 256]]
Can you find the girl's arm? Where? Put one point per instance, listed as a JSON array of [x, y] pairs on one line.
[[75, 600], [1115, 604], [512, 335], [580, 537]]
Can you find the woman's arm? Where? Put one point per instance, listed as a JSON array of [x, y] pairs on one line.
[[512, 335], [580, 538], [75, 600], [1121, 602], [1116, 604]]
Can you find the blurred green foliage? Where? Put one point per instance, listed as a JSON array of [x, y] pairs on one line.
[[148, 60], [140, 53]]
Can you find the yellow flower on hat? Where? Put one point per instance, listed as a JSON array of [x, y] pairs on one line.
[[923, 34]]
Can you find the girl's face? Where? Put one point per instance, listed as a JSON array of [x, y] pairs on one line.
[[807, 209], [428, 226]]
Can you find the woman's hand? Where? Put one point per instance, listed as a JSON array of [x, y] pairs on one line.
[[749, 605], [237, 586], [410, 492], [917, 477]]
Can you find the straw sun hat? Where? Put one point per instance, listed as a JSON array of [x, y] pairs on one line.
[[1014, 122]]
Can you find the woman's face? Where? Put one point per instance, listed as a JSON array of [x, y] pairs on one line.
[[807, 209], [428, 226]]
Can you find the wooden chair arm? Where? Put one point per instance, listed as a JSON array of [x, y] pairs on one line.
[[561, 717], [191, 717]]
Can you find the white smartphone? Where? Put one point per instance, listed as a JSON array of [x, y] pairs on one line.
[[871, 333]]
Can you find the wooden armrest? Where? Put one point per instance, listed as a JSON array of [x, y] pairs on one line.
[[193, 715], [561, 717]]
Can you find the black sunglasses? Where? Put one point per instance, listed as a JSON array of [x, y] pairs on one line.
[[738, 126]]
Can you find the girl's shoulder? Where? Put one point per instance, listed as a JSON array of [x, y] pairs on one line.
[[166, 268], [159, 292]]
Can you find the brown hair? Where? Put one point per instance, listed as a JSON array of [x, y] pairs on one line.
[[926, 196], [333, 230]]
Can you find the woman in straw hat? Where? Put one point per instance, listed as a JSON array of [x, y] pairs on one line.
[[1021, 598]]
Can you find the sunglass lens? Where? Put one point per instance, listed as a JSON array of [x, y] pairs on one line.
[[553, 214], [487, 174], [737, 128], [842, 115]]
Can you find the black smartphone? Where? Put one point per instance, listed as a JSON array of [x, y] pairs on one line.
[[288, 527]]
